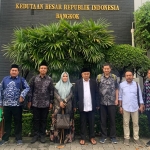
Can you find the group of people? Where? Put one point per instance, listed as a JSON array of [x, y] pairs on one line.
[[88, 95]]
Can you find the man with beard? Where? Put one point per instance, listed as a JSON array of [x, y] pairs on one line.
[[130, 103]]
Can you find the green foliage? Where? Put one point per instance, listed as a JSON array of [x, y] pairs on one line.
[[143, 123], [64, 45], [144, 126], [142, 24], [123, 57], [145, 67]]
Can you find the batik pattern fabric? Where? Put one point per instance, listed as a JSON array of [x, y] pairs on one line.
[[146, 94], [56, 134], [41, 92], [107, 90], [12, 89]]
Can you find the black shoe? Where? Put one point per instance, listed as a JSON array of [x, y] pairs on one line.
[[3, 142], [148, 144], [34, 139], [114, 140], [42, 139], [102, 140]]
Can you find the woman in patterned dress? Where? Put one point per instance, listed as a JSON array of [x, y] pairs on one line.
[[63, 100]]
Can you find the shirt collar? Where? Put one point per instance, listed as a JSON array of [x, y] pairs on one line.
[[108, 77], [86, 81], [148, 79], [13, 77], [128, 83], [41, 77]]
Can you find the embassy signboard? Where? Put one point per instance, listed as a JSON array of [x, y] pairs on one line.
[[64, 7], [23, 13]]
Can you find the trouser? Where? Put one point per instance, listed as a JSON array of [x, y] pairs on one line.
[[84, 117], [40, 120], [108, 111], [135, 120], [16, 112], [148, 117]]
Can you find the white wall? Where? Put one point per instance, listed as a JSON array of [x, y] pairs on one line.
[[138, 3]]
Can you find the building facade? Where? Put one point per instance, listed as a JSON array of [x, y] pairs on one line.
[[20, 13]]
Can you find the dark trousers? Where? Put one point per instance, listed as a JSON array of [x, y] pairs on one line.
[[148, 117], [84, 117], [16, 112], [40, 120], [110, 113]]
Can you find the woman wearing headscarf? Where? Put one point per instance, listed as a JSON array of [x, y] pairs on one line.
[[63, 101]]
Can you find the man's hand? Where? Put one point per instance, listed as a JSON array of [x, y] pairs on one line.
[[75, 109], [21, 99], [62, 104], [116, 102], [29, 105], [97, 108], [121, 110], [50, 106], [142, 108]]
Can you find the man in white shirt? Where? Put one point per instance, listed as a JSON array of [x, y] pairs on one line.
[[130, 103], [86, 94]]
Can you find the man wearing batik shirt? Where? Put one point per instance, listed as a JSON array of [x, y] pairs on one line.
[[146, 99], [108, 89], [13, 91], [41, 97]]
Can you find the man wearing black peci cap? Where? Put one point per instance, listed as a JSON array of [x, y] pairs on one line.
[[14, 89], [86, 95], [41, 96]]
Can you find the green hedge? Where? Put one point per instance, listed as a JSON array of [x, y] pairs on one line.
[[143, 123]]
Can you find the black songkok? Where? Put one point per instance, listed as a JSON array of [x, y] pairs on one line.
[[43, 63], [85, 70], [14, 66]]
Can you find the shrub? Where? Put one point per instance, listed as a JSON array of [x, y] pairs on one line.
[[143, 123]]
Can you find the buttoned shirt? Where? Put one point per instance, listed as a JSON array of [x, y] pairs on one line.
[[87, 96], [11, 90], [146, 94], [107, 89], [41, 92], [128, 96]]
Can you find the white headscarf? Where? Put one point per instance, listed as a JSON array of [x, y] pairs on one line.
[[63, 87]]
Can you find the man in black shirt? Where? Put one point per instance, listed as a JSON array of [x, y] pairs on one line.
[[41, 97]]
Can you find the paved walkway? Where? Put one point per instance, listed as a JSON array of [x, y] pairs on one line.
[[73, 146]]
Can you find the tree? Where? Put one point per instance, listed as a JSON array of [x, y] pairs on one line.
[[143, 70], [125, 57], [64, 45], [142, 26]]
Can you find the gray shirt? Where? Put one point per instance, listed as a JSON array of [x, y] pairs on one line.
[[107, 89]]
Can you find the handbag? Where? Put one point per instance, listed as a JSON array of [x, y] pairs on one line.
[[63, 121]]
